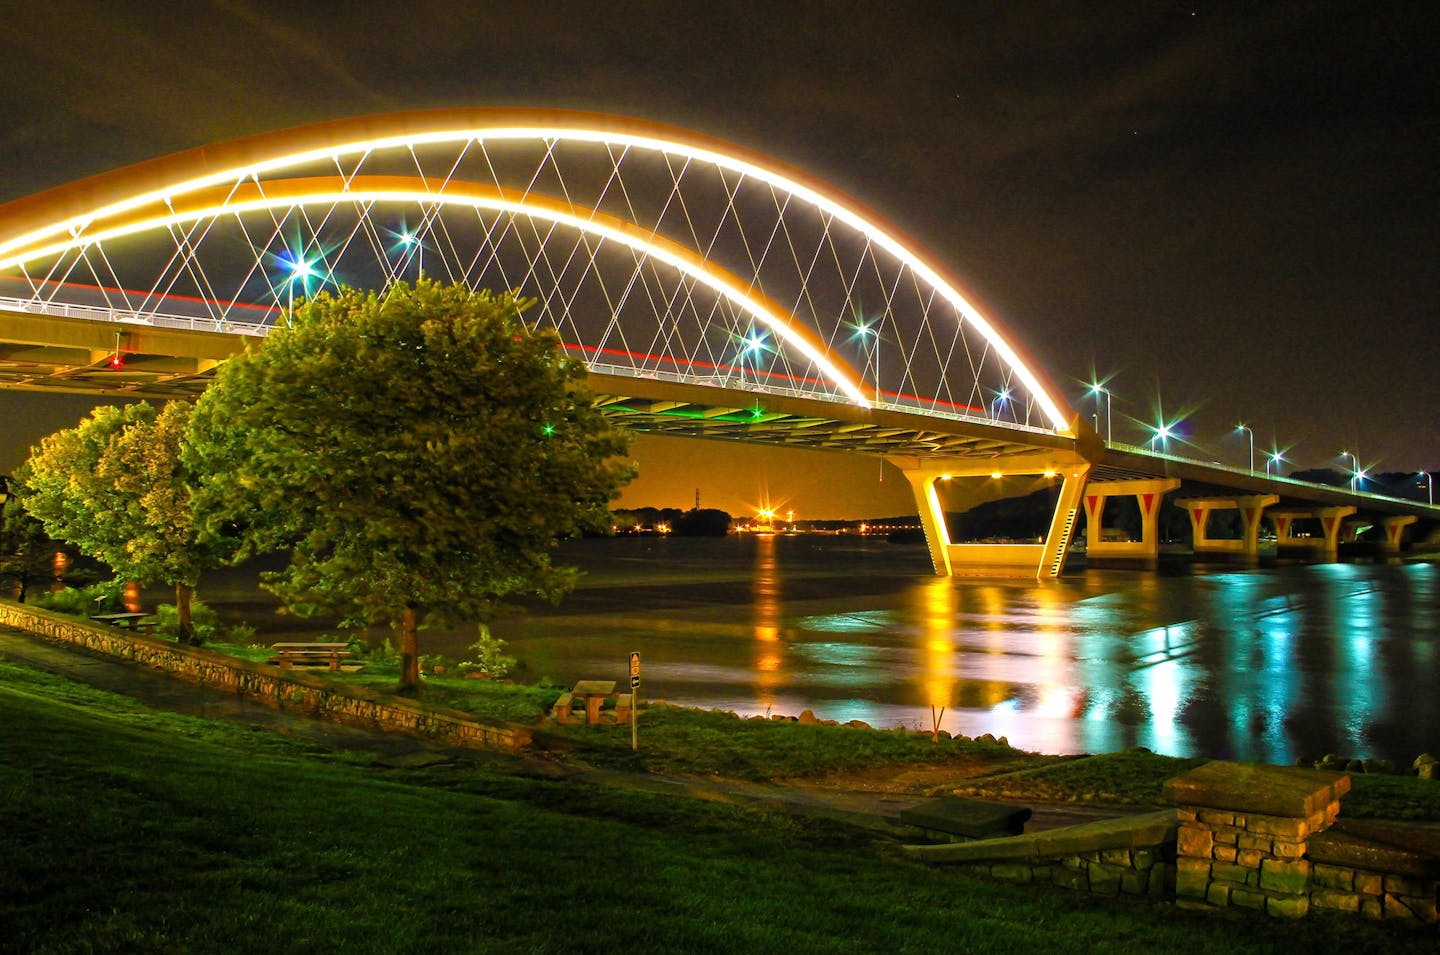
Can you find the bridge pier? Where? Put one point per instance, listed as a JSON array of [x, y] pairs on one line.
[[1251, 508], [1148, 494], [1394, 529], [1327, 545], [1043, 560]]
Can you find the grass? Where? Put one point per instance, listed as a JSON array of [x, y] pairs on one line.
[[1132, 778], [124, 828]]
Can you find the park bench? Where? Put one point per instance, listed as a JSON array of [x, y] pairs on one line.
[[142, 622], [290, 655], [563, 706], [956, 819]]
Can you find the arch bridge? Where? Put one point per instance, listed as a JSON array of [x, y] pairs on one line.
[[711, 291]]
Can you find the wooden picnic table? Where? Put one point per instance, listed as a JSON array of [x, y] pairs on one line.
[[594, 693], [131, 620], [289, 654]]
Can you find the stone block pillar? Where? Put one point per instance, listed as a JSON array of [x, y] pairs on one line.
[[1243, 834]]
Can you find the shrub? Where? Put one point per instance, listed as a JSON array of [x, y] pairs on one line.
[[205, 623], [490, 657], [108, 596]]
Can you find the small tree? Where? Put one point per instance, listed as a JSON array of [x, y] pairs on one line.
[[27, 553], [114, 486], [418, 453]]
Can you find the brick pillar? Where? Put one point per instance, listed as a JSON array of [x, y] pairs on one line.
[[1243, 832]]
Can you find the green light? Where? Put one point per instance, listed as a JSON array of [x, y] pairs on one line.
[[549, 429]]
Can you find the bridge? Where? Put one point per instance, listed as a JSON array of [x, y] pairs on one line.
[[711, 291]]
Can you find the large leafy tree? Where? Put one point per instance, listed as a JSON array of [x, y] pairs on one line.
[[418, 453], [115, 487]]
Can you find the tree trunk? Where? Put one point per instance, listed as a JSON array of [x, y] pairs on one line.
[[409, 648], [182, 613]]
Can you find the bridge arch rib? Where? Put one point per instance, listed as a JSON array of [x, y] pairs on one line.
[[721, 248]]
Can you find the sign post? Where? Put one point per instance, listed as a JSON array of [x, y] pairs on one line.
[[634, 700]]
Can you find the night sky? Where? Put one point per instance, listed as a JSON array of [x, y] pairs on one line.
[[1231, 209]]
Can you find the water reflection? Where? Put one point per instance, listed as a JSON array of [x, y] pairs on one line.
[[1265, 664]]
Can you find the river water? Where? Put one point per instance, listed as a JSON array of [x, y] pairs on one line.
[[1262, 664]]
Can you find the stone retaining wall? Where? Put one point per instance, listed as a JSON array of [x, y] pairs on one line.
[[319, 697], [1130, 856]]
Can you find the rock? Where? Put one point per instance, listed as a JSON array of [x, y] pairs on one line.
[[859, 724], [1424, 758], [1355, 766], [1004, 741], [942, 734], [1429, 771], [986, 738], [808, 718], [778, 716], [1304, 762], [1332, 762], [1378, 766], [830, 722]]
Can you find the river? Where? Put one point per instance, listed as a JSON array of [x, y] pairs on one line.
[[1260, 664]]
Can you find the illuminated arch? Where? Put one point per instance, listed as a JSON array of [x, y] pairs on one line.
[[151, 191]]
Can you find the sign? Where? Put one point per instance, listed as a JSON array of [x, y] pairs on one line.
[[635, 665], [635, 700], [634, 683]]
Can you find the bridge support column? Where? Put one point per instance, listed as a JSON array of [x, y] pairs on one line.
[[932, 518], [1042, 559], [1394, 529], [1148, 495], [1327, 545], [1251, 508]]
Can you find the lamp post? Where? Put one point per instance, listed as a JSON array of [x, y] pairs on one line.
[[865, 330], [1246, 429], [1429, 488], [1354, 468], [300, 270], [1274, 457], [1097, 390], [408, 239]]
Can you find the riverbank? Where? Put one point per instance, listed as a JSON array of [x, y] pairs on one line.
[[187, 833]]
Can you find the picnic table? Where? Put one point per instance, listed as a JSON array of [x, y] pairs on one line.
[[594, 693], [144, 622], [287, 655]]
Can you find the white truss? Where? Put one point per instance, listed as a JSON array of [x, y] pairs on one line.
[[660, 257]]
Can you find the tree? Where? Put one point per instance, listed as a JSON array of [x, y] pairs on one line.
[[27, 555], [115, 487], [417, 453]]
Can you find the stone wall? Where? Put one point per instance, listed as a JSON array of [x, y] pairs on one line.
[[315, 696], [1269, 838], [1130, 856]]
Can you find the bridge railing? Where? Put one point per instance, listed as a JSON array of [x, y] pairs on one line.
[[1247, 472], [102, 313]]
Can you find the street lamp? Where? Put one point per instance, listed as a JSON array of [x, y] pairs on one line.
[[1273, 457], [1097, 390], [1001, 398], [1354, 469], [865, 330], [1429, 487], [408, 239], [1246, 429], [1161, 433], [300, 270]]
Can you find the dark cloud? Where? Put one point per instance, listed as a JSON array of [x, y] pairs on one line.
[[1232, 203]]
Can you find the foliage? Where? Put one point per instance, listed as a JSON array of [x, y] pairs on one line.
[[27, 553], [115, 487], [206, 625], [490, 657], [417, 453], [702, 522], [107, 596]]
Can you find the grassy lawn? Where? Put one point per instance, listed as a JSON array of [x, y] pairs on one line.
[[129, 829]]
